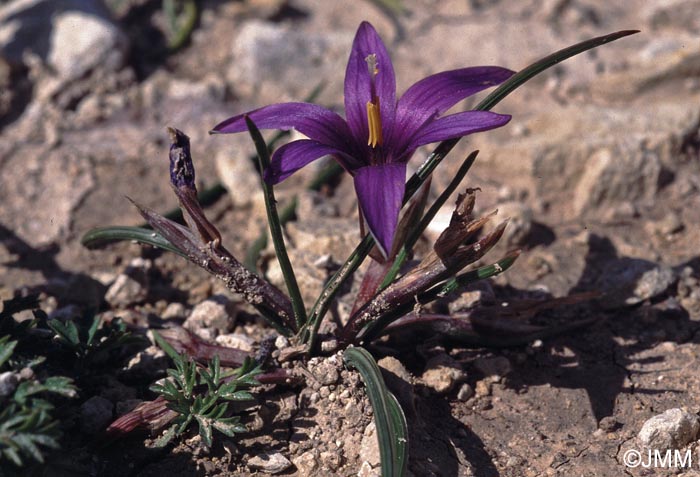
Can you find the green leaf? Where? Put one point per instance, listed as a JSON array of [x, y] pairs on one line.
[[529, 72], [181, 24], [229, 426], [237, 396], [394, 7], [6, 349], [501, 92], [28, 447], [60, 385], [66, 331], [101, 236], [208, 402], [25, 430], [480, 273], [309, 333], [165, 439], [376, 327], [165, 346], [205, 429], [12, 454], [218, 411], [190, 378], [186, 420], [93, 329], [392, 430], [46, 441], [215, 367]]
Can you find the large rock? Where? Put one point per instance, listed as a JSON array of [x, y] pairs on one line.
[[269, 59], [71, 36], [40, 189], [583, 160]]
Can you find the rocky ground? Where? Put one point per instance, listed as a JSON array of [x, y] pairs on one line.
[[599, 171]]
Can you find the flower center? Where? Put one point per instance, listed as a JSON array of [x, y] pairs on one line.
[[374, 118]]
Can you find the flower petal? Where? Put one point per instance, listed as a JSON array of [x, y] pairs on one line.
[[316, 122], [432, 96], [358, 82], [453, 126], [293, 156], [380, 191]]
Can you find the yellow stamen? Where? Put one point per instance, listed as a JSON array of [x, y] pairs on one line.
[[374, 121]]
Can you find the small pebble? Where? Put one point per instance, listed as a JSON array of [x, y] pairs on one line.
[[483, 388], [465, 392], [269, 463]]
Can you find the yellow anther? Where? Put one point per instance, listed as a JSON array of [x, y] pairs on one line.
[[374, 121]]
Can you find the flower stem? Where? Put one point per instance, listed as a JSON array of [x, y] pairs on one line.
[[310, 331], [276, 227]]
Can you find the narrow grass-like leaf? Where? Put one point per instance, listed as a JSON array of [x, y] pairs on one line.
[[12, 454], [259, 244], [399, 423], [273, 220], [392, 430], [374, 329], [394, 7], [165, 346], [310, 332], [101, 236], [327, 174], [480, 273], [529, 72], [211, 194], [507, 87]]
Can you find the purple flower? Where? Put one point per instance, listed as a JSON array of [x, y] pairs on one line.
[[379, 134]]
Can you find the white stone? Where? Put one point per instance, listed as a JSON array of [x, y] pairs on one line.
[[672, 429], [269, 463]]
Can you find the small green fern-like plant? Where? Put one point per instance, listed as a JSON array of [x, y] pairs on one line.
[[27, 426], [92, 341], [203, 395]]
